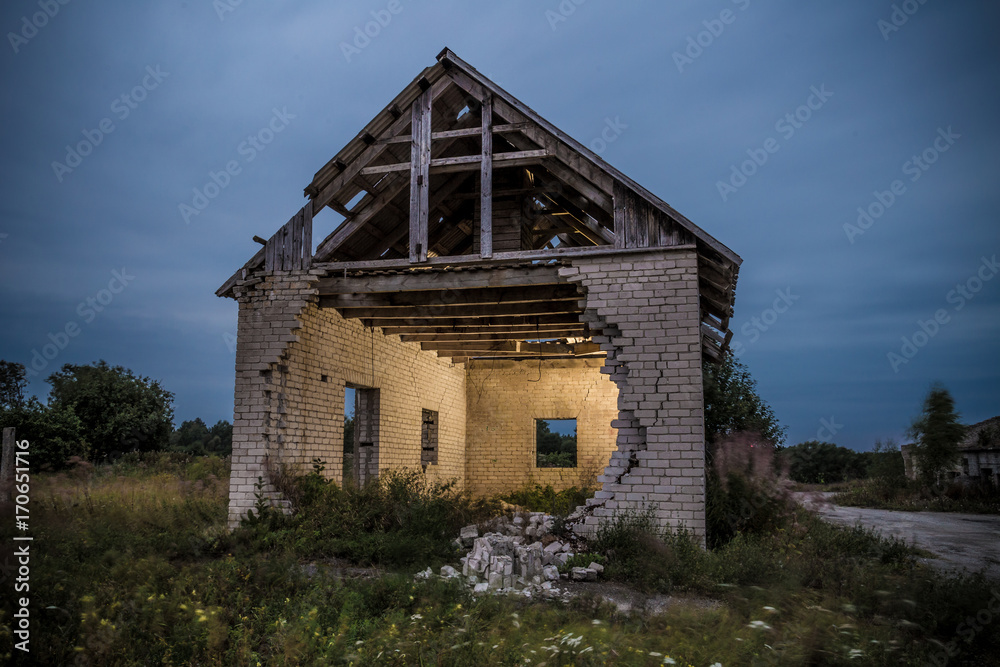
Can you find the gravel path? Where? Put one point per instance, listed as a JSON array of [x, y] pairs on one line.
[[961, 541]]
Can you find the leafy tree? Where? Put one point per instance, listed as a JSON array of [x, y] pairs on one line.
[[936, 434], [195, 438], [54, 433], [553, 449], [885, 464], [119, 411], [13, 382], [223, 431], [732, 404], [815, 462]]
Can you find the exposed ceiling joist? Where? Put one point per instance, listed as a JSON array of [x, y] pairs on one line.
[[449, 312], [454, 298], [441, 280]]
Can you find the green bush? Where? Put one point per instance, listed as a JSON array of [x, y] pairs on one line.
[[743, 493], [546, 499], [744, 560], [742, 505], [399, 520], [54, 433], [639, 553]]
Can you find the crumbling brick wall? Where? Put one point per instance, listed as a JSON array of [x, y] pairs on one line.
[[646, 305], [504, 400], [292, 362]]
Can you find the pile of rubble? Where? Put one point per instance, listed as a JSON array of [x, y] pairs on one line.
[[518, 555]]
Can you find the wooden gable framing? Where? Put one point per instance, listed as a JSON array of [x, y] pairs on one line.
[[457, 173]]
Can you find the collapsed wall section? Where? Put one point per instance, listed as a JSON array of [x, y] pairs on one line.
[[293, 362], [504, 400], [646, 308]]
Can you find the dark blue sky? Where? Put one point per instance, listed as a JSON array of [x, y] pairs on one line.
[[163, 94]]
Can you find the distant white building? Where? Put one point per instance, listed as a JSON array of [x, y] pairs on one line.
[[979, 451]]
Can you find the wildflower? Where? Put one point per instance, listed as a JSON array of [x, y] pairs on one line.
[[595, 622], [669, 661], [855, 653], [655, 654], [770, 610], [759, 625]]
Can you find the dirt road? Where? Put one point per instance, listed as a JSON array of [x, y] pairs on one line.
[[969, 541]]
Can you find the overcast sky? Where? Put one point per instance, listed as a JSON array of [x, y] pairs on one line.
[[115, 112]]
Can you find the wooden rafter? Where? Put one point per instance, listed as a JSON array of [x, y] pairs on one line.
[[459, 312], [454, 298], [498, 321], [440, 280]]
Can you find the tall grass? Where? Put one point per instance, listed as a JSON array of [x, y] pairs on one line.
[[915, 497], [132, 566], [398, 520]]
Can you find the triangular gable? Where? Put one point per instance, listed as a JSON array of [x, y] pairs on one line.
[[411, 185]]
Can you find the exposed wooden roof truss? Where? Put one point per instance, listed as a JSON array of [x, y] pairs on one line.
[[454, 171]]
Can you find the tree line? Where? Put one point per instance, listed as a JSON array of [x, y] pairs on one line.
[[98, 412]]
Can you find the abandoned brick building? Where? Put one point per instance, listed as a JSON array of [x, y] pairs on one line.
[[489, 271]]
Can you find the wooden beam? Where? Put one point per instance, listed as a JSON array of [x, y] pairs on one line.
[[307, 235], [348, 171], [437, 196], [499, 321], [486, 182], [440, 280], [241, 274], [420, 176], [526, 329], [330, 191], [506, 128], [495, 336], [512, 355], [348, 227], [444, 165], [457, 312], [515, 346], [453, 298], [500, 257]]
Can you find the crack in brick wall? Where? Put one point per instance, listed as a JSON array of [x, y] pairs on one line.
[[646, 310]]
